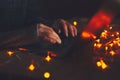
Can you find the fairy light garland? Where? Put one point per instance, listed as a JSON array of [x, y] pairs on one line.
[[106, 46]]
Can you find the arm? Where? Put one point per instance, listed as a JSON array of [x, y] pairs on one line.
[[18, 37]]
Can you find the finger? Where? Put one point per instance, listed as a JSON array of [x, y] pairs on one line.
[[56, 37], [65, 27], [75, 30], [50, 40], [52, 35], [71, 29], [59, 31]]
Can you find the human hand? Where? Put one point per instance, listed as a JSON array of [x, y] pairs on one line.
[[48, 34], [66, 26]]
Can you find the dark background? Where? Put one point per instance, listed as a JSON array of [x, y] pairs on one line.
[[77, 62], [71, 8]]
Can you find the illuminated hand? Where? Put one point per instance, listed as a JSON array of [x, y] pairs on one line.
[[66, 26], [48, 34]]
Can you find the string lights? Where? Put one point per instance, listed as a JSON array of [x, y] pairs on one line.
[[8, 56], [106, 47]]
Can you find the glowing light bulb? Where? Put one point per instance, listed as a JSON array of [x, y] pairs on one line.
[[75, 23], [105, 31], [10, 53], [98, 40], [110, 27], [99, 45], [88, 35], [48, 58], [112, 35], [112, 53], [106, 48], [46, 75], [119, 44], [99, 64], [95, 44], [117, 33], [31, 67], [102, 64], [111, 44]]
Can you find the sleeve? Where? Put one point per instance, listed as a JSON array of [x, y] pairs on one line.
[[19, 37]]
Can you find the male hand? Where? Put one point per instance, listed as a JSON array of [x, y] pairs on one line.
[[66, 26], [48, 34]]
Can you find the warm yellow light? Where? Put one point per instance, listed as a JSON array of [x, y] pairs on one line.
[[102, 64], [99, 45], [94, 37], [115, 42], [95, 44], [48, 58], [47, 75], [99, 64], [110, 27], [103, 35], [98, 40], [10, 53], [119, 44], [111, 44], [88, 35], [112, 35], [105, 31], [106, 48], [118, 38], [112, 53], [31, 67], [75, 23], [117, 33]]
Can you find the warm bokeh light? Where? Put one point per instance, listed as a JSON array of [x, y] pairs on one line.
[[31, 67], [106, 46], [98, 45], [48, 58], [102, 64], [47, 75], [98, 40], [10, 53], [22, 49], [99, 64], [117, 33], [98, 22], [75, 23], [53, 55], [112, 53], [110, 27], [87, 35], [111, 44]]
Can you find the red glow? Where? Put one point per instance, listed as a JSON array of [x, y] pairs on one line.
[[88, 35], [22, 49], [53, 55], [99, 21]]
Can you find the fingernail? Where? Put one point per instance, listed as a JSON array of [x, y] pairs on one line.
[[73, 35], [76, 34], [66, 35], [59, 41]]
